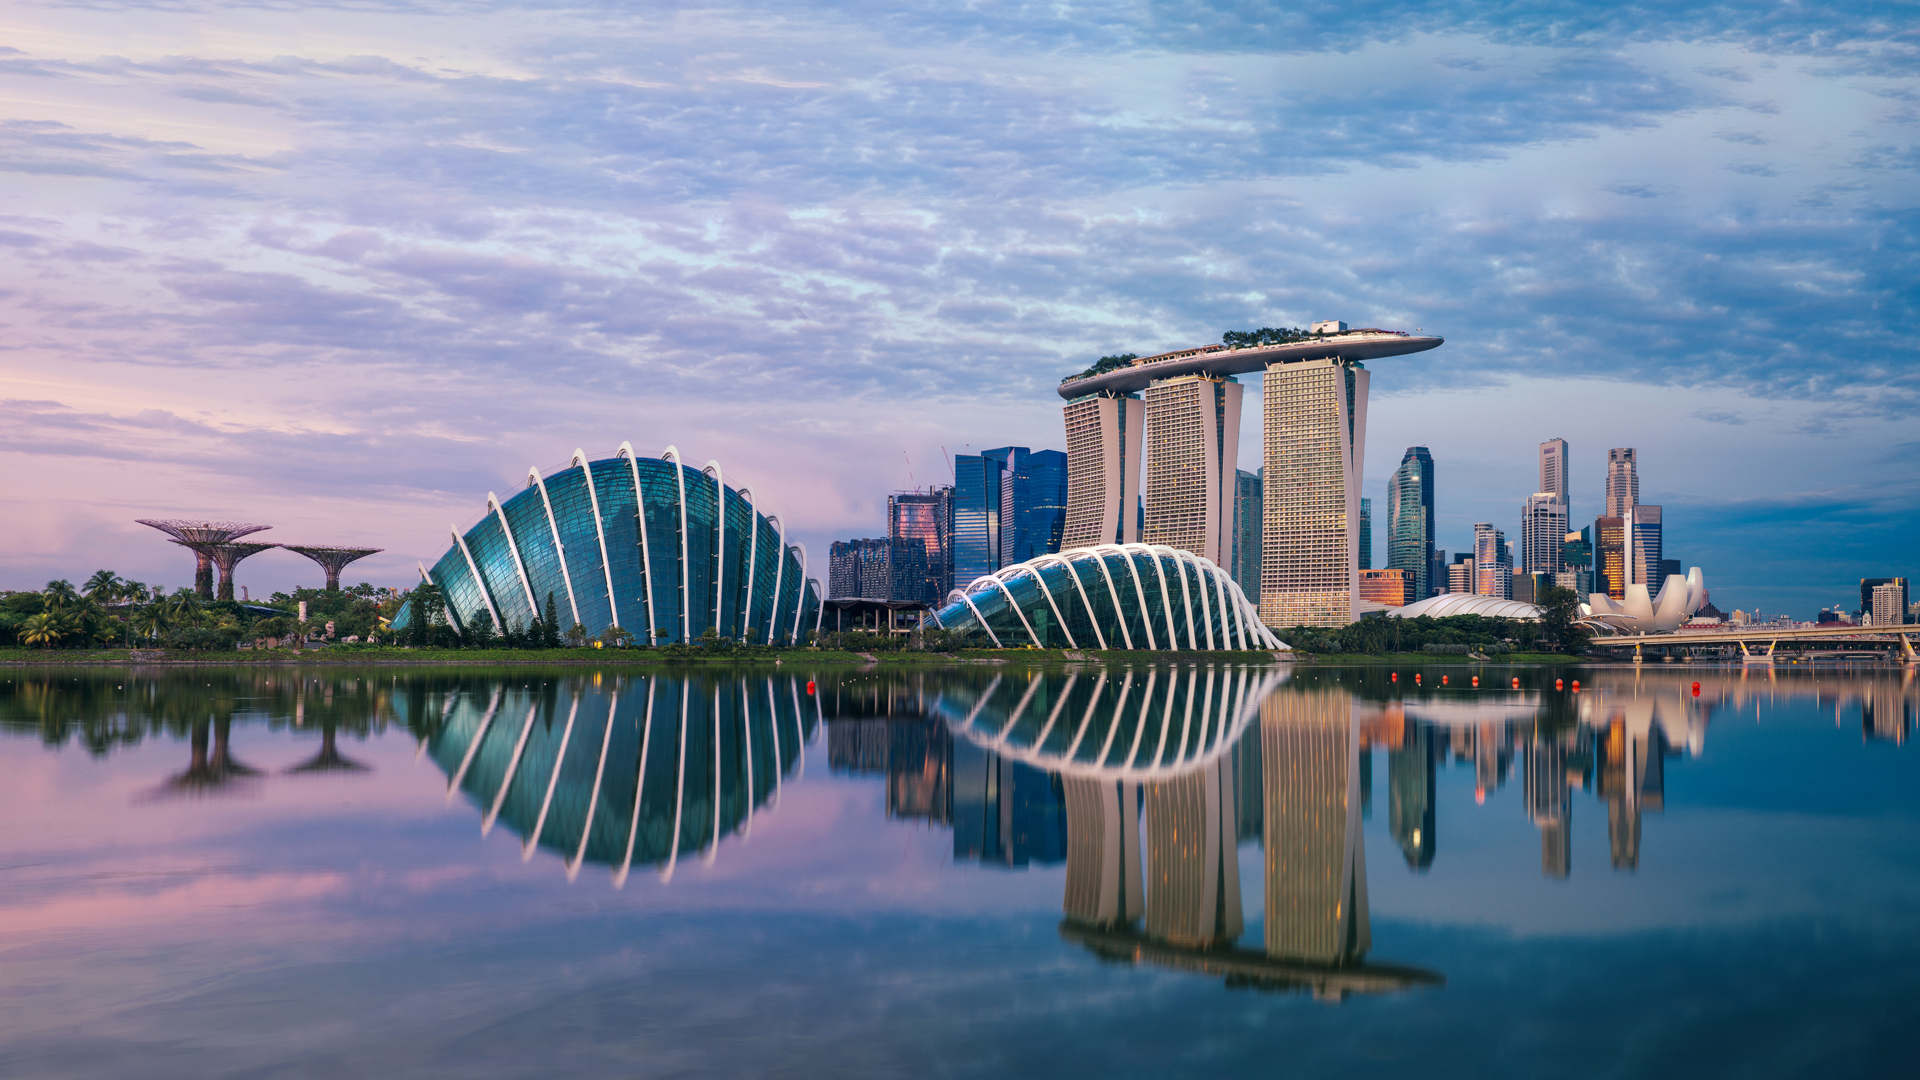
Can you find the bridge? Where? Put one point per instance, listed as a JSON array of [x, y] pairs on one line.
[[1879, 636]]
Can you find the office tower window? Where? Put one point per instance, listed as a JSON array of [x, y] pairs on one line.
[[1410, 521], [1315, 444]]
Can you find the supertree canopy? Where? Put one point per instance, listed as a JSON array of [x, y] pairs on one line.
[[202, 537], [332, 559]]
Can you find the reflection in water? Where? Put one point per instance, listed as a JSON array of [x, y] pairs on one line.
[[1142, 781], [1178, 776], [619, 771]]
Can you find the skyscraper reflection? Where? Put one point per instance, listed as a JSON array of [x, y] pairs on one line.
[[1410, 808], [1316, 862]]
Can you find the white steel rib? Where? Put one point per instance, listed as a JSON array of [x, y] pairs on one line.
[[640, 523], [599, 531], [719, 548], [686, 586], [753, 560], [679, 791], [478, 581], [1093, 618], [779, 571], [519, 564], [559, 549]]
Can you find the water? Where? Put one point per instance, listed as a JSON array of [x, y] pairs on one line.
[[1175, 871]]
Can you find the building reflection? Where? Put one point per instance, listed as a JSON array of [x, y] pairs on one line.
[[621, 772]]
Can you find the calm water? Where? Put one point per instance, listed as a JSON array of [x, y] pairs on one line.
[[1186, 871]]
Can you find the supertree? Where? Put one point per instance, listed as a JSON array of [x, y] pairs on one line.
[[228, 556], [332, 559], [201, 537]]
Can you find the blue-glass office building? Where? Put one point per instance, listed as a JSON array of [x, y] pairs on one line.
[[652, 545]]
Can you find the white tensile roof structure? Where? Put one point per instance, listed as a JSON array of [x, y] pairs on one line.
[[1467, 604]]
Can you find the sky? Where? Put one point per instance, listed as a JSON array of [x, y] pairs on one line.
[[344, 269]]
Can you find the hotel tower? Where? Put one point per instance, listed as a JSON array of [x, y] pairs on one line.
[[1187, 422]]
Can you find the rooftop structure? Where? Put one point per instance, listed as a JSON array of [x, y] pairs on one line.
[[1217, 360], [200, 537], [332, 559]]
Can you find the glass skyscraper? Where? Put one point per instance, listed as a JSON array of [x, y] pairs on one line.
[[1033, 504], [925, 518], [1366, 534], [1248, 501], [976, 514], [1410, 520]]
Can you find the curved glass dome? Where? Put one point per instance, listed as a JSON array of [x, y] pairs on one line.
[[1115, 596], [1466, 604], [651, 545]]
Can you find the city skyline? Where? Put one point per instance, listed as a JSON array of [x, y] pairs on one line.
[[344, 292]]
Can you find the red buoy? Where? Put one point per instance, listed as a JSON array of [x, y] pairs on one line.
[[1516, 683], [1476, 680], [809, 686], [1559, 684]]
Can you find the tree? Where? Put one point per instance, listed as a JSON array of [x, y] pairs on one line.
[[43, 630], [550, 626], [577, 636], [429, 605], [150, 620], [103, 587], [60, 594], [1560, 608], [616, 638]]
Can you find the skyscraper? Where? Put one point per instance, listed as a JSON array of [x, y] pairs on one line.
[[1644, 520], [1315, 436], [1103, 469], [1247, 520], [1610, 556], [1543, 533], [1033, 503], [1553, 469], [1868, 585], [925, 518], [976, 515], [1366, 533], [1492, 565], [1410, 520], [1193, 444], [1623, 481]]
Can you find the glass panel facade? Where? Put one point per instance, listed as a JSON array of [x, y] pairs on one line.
[[573, 512], [613, 485], [527, 517], [715, 573], [488, 543], [1206, 606]]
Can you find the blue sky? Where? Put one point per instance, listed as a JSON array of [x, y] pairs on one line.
[[345, 268]]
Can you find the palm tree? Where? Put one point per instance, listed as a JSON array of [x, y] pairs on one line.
[[150, 620], [60, 594], [43, 629], [103, 587]]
